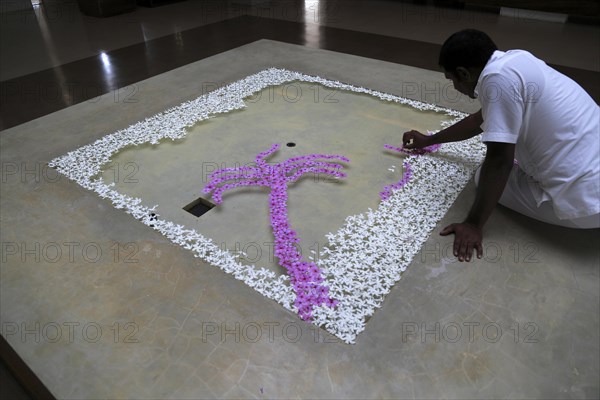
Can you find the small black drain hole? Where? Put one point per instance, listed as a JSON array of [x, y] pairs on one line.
[[199, 207], [291, 144]]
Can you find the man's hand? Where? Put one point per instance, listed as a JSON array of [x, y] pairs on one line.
[[415, 140], [495, 170], [467, 237], [464, 129]]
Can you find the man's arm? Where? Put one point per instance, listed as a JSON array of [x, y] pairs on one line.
[[464, 129], [495, 171]]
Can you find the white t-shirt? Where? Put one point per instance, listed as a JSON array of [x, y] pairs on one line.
[[554, 124]]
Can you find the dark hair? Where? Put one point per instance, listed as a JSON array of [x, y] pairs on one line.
[[466, 48]]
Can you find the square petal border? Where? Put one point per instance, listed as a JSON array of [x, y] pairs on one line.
[[362, 261]]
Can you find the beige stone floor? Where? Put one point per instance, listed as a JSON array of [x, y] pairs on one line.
[[100, 306], [317, 120]]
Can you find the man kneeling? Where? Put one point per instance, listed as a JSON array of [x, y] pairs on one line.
[[542, 132]]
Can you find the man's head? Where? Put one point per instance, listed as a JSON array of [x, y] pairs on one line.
[[463, 56]]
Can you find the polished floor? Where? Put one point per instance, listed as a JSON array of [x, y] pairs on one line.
[[543, 290], [62, 57]]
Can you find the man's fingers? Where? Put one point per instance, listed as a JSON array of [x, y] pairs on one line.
[[447, 230], [457, 247], [467, 240], [479, 248], [469, 251], [408, 139]]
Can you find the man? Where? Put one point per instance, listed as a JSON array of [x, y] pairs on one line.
[[542, 132]]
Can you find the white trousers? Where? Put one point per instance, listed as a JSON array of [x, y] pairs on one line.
[[518, 197]]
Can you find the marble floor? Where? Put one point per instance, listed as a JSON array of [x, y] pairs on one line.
[[98, 305]]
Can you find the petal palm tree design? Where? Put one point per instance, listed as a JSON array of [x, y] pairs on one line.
[[305, 277]]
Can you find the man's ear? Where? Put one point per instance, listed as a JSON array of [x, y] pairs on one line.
[[462, 74]]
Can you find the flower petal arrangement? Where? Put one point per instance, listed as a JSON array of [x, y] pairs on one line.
[[362, 260], [305, 276], [388, 190]]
